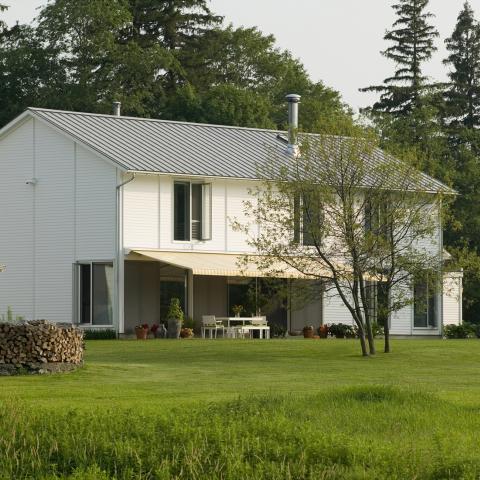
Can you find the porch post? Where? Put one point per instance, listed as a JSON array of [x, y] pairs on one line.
[[190, 293]]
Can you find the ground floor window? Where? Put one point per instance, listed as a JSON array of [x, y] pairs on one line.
[[257, 296], [305, 304], [383, 305], [172, 287], [425, 305], [95, 293]]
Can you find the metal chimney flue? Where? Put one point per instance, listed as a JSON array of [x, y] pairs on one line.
[[117, 109], [293, 100]]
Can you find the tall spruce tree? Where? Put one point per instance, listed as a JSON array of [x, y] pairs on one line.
[[174, 23], [2, 9], [461, 118], [463, 96], [412, 38], [177, 25]]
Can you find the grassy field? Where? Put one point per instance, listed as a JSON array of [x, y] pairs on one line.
[[279, 409]]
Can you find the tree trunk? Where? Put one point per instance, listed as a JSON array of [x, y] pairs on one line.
[[363, 344], [371, 340], [386, 331]]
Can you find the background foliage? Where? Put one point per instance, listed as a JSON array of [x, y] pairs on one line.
[[176, 59]]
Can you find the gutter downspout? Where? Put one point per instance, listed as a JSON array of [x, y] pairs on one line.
[[119, 260]]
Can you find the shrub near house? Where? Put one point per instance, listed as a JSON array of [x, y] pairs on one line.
[[464, 330]]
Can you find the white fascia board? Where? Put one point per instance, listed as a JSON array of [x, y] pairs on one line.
[[28, 114], [15, 123], [73, 138]]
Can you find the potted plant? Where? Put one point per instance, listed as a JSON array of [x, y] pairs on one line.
[[237, 310], [154, 329], [323, 331], [174, 318], [308, 331], [141, 331], [186, 332]]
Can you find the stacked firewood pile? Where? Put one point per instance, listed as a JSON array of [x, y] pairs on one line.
[[40, 342]]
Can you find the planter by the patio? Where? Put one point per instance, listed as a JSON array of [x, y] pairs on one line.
[[186, 333], [174, 327], [308, 332], [323, 331], [141, 333]]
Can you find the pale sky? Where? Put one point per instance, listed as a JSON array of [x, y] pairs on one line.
[[338, 41]]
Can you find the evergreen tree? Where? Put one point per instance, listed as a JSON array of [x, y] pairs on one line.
[[412, 39], [176, 25], [98, 68], [461, 118], [161, 59], [463, 96], [406, 114], [2, 23]]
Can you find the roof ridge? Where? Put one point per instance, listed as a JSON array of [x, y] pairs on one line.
[[159, 120], [246, 149]]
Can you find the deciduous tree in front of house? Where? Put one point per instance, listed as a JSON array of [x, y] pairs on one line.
[[333, 213]]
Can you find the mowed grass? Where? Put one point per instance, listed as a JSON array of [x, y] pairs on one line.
[[293, 409]]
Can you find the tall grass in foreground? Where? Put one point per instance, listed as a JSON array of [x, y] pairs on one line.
[[353, 433]]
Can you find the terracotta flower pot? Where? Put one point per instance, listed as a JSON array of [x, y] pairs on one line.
[[141, 333], [309, 333], [323, 331], [186, 333]]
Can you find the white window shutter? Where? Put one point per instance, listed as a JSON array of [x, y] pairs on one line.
[[207, 211]]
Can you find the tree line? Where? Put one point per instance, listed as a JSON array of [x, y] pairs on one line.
[[169, 59], [176, 59], [437, 123]]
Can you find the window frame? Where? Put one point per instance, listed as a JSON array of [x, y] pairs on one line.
[[205, 211], [77, 271], [299, 220], [427, 306]]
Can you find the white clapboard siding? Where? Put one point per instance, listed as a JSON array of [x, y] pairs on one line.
[[69, 215], [16, 221], [54, 224], [334, 310], [237, 194], [95, 207], [148, 215], [141, 207], [452, 298]]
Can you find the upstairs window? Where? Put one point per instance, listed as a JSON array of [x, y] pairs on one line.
[[378, 219], [192, 211], [307, 221]]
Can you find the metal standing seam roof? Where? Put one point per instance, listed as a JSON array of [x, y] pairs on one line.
[[182, 148]]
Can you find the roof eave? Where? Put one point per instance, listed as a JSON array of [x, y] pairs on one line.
[[36, 114], [17, 122]]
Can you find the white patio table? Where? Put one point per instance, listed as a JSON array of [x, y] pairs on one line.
[[246, 325]]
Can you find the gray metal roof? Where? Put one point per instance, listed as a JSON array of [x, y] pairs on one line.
[[161, 146]]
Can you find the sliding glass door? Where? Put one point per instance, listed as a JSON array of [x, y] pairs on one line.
[[95, 293]]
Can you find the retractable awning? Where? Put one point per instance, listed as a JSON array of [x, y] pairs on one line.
[[221, 264]]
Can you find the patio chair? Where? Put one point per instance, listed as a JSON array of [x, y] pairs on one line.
[[210, 324], [231, 332], [260, 324]]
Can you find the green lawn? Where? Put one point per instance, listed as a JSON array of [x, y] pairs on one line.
[[202, 409]]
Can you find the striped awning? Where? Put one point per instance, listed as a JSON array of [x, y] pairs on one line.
[[224, 265]]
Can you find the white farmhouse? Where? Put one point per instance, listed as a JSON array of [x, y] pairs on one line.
[[105, 218]]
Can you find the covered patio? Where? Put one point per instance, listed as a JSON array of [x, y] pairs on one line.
[[211, 284]]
